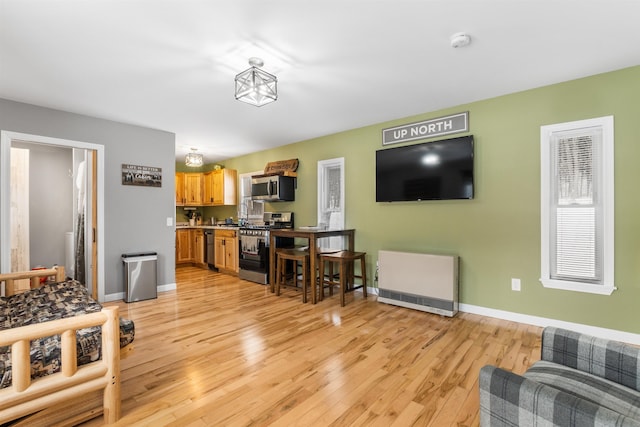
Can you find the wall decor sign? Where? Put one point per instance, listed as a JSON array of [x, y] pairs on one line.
[[454, 123], [146, 176]]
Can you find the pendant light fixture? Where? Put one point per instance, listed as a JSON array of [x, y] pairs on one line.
[[255, 86], [194, 159]]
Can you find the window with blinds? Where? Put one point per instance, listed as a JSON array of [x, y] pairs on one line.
[[577, 205], [248, 209]]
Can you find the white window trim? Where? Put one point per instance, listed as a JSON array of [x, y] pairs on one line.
[[606, 123], [243, 210], [323, 165]]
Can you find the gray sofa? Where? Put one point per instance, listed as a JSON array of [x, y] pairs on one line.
[[580, 381]]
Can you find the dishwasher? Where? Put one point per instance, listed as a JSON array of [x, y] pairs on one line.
[[209, 249]]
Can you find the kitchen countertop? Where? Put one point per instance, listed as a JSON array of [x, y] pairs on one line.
[[186, 226]]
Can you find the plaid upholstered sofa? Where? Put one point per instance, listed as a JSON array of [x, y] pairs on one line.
[[50, 302], [579, 381]]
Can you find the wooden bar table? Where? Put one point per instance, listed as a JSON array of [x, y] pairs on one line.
[[312, 235]]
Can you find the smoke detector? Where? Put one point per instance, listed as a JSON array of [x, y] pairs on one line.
[[460, 40]]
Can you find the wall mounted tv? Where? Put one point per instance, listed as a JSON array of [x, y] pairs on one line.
[[438, 170]]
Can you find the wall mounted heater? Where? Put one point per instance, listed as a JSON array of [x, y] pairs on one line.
[[420, 281]]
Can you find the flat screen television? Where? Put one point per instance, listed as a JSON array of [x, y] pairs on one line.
[[438, 170]]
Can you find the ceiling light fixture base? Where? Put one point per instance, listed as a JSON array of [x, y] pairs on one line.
[[460, 40]]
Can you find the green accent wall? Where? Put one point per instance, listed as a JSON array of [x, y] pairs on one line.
[[497, 234]]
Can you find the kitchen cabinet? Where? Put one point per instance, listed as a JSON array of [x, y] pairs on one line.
[[183, 246], [226, 250], [190, 246], [220, 187], [197, 239], [207, 182], [224, 187], [193, 189], [180, 199], [214, 188]]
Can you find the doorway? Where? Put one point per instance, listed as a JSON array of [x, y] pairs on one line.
[[79, 196]]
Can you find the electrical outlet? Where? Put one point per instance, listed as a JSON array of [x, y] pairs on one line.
[[515, 284]]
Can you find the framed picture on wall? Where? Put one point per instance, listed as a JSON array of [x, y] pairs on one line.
[[146, 176]]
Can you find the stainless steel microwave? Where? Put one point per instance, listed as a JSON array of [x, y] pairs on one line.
[[275, 188]]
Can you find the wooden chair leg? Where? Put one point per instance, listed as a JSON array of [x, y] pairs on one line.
[[363, 267], [344, 270], [304, 281], [278, 275]]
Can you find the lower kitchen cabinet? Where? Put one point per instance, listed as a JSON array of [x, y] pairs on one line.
[[226, 250], [190, 246], [183, 247]]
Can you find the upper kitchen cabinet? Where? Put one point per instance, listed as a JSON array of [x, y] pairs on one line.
[[220, 187], [207, 180], [193, 189], [180, 199], [215, 188]]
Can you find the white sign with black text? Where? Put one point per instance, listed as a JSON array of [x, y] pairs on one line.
[[447, 125]]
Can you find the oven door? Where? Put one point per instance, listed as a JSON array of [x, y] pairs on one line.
[[254, 254]]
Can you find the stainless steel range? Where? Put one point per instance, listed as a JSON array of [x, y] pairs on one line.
[[254, 245]]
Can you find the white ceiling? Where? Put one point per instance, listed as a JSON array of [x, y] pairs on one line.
[[341, 64]]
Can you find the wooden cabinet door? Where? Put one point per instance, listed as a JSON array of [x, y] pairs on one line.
[[219, 252], [180, 189], [231, 253], [218, 186], [224, 187], [193, 189], [208, 198], [183, 246], [226, 250], [198, 246]]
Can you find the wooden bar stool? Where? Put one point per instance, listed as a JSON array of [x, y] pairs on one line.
[[296, 256], [345, 261]]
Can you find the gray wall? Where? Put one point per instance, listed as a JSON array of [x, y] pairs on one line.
[[135, 217], [50, 203]]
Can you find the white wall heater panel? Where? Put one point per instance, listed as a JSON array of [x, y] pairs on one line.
[[420, 281]]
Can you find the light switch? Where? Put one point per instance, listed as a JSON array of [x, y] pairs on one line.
[[169, 221]]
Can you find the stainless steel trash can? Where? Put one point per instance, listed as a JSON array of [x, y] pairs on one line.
[[140, 276]]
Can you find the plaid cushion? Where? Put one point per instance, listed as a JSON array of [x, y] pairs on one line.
[[604, 358], [600, 391], [50, 302], [510, 400]]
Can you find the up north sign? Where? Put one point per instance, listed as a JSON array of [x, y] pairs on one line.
[[455, 123]]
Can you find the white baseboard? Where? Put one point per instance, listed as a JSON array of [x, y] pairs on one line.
[[612, 334], [168, 287], [120, 295]]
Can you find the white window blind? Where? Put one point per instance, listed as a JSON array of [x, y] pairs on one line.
[[248, 209], [577, 205], [576, 253]]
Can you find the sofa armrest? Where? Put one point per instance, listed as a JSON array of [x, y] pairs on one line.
[[604, 358], [510, 400]]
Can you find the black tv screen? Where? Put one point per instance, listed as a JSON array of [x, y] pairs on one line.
[[438, 170]]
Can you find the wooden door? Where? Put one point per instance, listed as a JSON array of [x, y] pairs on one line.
[[231, 253], [183, 246], [198, 246], [219, 251], [208, 182], [193, 189], [180, 199], [19, 215], [94, 223]]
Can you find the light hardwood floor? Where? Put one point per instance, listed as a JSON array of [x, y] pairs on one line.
[[224, 351]]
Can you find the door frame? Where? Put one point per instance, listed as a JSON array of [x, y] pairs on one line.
[[6, 138]]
